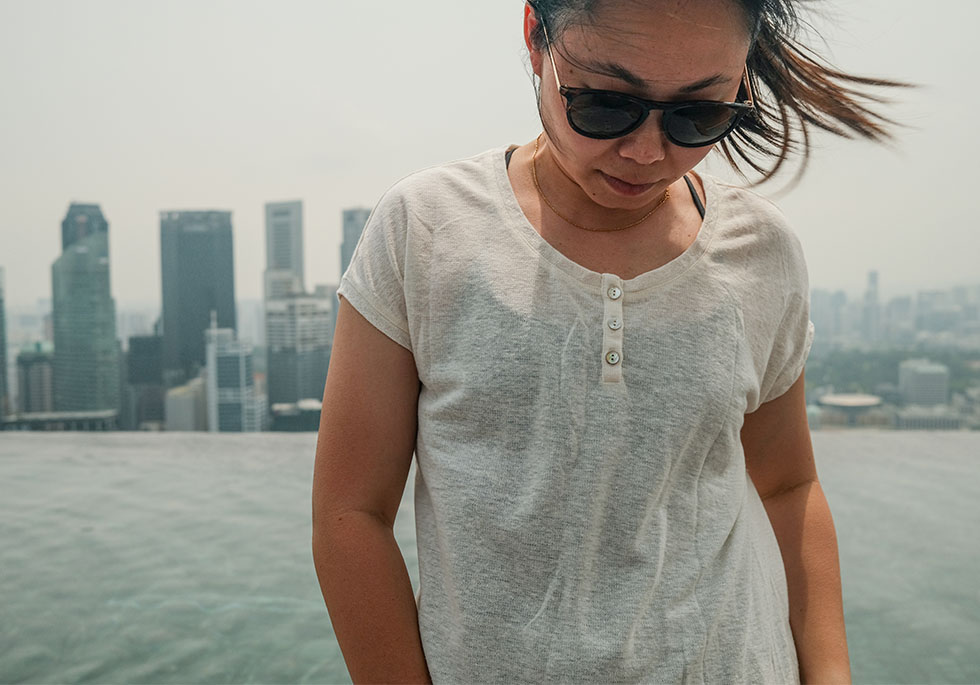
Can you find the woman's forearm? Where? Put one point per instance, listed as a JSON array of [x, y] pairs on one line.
[[804, 528], [368, 594]]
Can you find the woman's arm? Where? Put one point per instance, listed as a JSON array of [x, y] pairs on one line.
[[364, 451], [779, 459]]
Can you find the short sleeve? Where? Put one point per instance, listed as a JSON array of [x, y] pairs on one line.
[[794, 334], [374, 283]]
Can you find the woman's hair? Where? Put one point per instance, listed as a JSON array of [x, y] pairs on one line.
[[794, 89]]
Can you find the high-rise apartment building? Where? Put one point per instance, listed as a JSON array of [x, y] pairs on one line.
[[86, 352], [233, 405], [198, 274], [283, 249], [923, 382], [298, 341], [35, 391], [5, 407]]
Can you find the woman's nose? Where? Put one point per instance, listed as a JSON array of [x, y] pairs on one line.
[[647, 144]]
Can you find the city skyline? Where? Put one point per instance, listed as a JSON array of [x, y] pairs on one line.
[[165, 378], [300, 119], [138, 318], [893, 331]]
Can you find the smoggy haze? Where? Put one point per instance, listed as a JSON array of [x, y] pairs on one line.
[[227, 105]]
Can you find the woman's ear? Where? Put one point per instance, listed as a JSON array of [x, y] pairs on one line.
[[530, 26]]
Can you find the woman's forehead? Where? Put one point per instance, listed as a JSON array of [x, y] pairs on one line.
[[720, 15], [661, 42]]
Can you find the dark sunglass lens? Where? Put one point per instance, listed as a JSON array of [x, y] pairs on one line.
[[604, 116], [700, 124]]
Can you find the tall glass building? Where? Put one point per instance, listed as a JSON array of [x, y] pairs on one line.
[[298, 326], [283, 249], [86, 353], [145, 396], [354, 221], [198, 274]]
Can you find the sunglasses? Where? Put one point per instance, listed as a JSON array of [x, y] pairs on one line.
[[606, 114]]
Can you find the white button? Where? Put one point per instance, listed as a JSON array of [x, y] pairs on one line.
[[612, 358], [615, 324], [615, 292]]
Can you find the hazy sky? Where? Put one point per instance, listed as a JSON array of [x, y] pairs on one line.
[[201, 104]]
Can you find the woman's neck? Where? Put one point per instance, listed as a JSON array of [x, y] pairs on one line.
[[565, 198]]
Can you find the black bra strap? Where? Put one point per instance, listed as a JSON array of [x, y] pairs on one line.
[[694, 194], [508, 154]]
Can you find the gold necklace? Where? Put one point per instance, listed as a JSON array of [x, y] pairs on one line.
[[534, 174]]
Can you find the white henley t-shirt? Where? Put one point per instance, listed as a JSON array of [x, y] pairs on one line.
[[583, 510]]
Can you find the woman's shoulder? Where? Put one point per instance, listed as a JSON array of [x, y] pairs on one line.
[[737, 204], [447, 185], [753, 238], [749, 220]]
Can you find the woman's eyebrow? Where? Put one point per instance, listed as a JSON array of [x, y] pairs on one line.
[[624, 74], [705, 82]]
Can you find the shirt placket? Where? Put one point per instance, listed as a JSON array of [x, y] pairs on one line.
[[612, 328]]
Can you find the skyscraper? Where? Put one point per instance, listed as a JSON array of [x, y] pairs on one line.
[[35, 393], [5, 407], [231, 398], [283, 249], [297, 326], [871, 313], [198, 274], [86, 352], [298, 346], [353, 225], [354, 221], [144, 396]]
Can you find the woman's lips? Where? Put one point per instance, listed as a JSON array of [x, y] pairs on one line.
[[624, 188]]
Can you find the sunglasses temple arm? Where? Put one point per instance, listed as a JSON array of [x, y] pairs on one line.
[[547, 40], [748, 85]]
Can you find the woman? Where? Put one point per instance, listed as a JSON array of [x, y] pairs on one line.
[[596, 355]]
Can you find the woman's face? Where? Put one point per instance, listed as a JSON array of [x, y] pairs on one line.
[[656, 50]]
